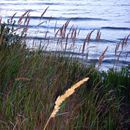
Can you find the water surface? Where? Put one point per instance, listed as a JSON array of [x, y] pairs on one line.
[[110, 16]]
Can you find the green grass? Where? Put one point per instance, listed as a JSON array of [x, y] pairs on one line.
[[30, 82]]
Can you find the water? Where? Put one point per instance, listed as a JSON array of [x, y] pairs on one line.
[[110, 16]]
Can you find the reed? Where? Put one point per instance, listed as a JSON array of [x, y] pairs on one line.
[[11, 19], [102, 57], [120, 47], [87, 40], [98, 36], [117, 47], [22, 16], [63, 97], [44, 12]]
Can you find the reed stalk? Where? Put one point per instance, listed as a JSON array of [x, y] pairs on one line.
[[62, 98]]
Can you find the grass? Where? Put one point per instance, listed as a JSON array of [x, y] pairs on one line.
[[31, 81]]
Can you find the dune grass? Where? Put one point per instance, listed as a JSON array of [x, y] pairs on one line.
[[31, 81]]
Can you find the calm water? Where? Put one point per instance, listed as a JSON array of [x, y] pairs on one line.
[[112, 17]]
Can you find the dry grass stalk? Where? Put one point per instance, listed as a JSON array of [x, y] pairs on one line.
[[57, 33], [63, 97], [117, 47], [27, 24], [102, 57], [66, 43], [42, 16], [87, 40], [44, 12], [78, 32], [62, 32], [22, 78], [26, 19], [74, 35], [11, 19], [41, 23], [71, 29], [62, 35], [127, 38], [18, 28], [118, 56], [64, 28], [22, 16], [125, 41], [98, 35], [46, 33]]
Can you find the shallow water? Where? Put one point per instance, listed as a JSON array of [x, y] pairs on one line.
[[110, 16]]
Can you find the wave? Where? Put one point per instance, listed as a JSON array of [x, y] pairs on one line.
[[116, 28], [34, 3], [79, 40], [64, 18], [42, 3], [53, 27]]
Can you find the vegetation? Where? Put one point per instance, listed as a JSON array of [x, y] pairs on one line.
[[31, 81]]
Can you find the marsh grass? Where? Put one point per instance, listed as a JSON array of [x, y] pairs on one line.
[[31, 81]]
